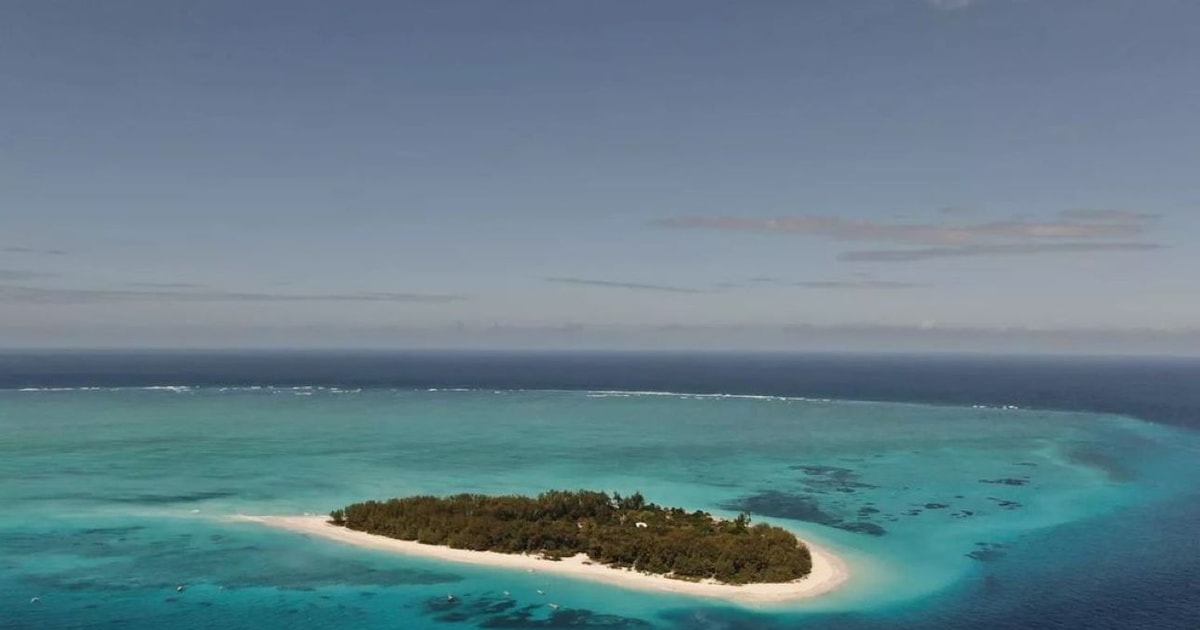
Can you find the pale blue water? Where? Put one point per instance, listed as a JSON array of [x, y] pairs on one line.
[[949, 516]]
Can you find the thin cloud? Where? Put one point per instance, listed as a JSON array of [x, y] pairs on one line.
[[18, 249], [951, 5], [21, 275], [164, 285], [841, 229], [912, 255], [755, 281], [858, 284], [25, 294], [859, 281], [636, 286], [1101, 214]]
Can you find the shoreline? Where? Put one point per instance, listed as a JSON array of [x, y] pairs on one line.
[[828, 570]]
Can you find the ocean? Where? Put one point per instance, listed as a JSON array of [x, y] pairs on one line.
[[964, 492]]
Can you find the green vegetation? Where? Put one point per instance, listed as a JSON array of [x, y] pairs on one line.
[[612, 530]]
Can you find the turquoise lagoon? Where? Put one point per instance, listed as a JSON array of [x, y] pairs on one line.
[[117, 496]]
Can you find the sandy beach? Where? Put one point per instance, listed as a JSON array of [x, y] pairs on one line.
[[828, 571]]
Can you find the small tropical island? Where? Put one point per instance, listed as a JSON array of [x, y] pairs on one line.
[[615, 531], [621, 540]]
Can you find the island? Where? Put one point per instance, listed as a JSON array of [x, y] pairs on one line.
[[622, 540]]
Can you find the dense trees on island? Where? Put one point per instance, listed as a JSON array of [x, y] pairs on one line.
[[612, 530]]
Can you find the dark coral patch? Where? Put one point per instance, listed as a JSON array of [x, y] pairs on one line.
[[493, 612], [782, 505], [822, 479], [862, 527], [986, 555], [987, 552], [778, 504], [1006, 481]]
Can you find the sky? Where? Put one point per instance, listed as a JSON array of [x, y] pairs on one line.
[[864, 175]]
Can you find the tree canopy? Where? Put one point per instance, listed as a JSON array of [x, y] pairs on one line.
[[613, 530]]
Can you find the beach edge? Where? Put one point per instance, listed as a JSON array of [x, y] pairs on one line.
[[828, 570]]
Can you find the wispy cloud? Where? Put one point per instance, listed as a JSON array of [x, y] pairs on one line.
[[951, 5], [636, 286], [164, 285], [841, 229], [859, 281], [1070, 231], [858, 284], [18, 249], [1102, 214], [911, 255], [26, 294], [21, 275]]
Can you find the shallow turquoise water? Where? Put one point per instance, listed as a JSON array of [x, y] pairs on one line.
[[115, 496]]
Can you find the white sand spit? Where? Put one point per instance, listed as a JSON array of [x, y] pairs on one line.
[[828, 570]]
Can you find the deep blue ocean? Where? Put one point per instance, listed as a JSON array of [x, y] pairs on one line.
[[964, 492]]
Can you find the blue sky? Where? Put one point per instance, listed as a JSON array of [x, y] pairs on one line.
[[842, 174]]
